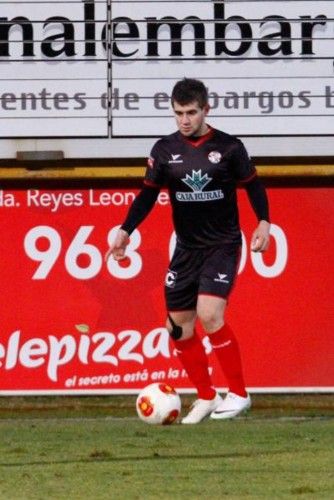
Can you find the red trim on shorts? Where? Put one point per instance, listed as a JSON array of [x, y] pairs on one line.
[[236, 276], [213, 295], [179, 310]]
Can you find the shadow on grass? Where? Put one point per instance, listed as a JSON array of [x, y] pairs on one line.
[[105, 457]]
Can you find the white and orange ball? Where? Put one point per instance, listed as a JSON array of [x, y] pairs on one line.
[[158, 403]]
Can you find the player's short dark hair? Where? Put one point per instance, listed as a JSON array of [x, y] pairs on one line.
[[189, 90]]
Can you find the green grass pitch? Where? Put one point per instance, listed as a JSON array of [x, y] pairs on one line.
[[96, 448]]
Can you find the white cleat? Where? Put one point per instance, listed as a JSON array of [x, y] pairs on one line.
[[201, 408], [231, 406]]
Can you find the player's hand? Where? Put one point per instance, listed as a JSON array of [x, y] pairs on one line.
[[260, 238], [118, 247]]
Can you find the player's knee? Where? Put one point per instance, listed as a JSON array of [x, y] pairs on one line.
[[174, 330], [210, 321]]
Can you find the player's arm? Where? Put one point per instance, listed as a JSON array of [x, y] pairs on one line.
[[258, 198], [245, 173], [140, 208]]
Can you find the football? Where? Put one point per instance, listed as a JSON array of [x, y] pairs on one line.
[[158, 404]]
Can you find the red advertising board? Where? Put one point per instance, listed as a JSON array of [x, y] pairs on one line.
[[72, 323]]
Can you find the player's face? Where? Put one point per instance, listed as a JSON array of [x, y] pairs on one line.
[[190, 118]]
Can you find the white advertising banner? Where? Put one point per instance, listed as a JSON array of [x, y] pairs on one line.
[[104, 70]]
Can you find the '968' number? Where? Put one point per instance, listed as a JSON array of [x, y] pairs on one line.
[[79, 247]]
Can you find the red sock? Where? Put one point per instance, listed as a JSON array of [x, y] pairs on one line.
[[226, 348], [192, 355]]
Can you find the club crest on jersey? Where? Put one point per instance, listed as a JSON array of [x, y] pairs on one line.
[[214, 156], [197, 182]]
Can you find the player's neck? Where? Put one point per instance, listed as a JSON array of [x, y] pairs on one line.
[[200, 137], [204, 130]]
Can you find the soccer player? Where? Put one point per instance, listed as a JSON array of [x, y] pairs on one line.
[[201, 167]]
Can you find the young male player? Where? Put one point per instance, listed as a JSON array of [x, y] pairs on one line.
[[201, 167]]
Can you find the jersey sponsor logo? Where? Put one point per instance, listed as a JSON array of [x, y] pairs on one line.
[[170, 278], [176, 159], [221, 278], [197, 182], [214, 156]]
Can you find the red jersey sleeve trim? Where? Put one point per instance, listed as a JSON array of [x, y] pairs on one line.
[[149, 183], [248, 179]]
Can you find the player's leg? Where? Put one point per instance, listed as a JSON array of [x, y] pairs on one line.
[[226, 348], [190, 351], [224, 343], [181, 297], [215, 287]]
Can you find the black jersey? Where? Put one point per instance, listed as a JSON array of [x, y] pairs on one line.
[[201, 175]]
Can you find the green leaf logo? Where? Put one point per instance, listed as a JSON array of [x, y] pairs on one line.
[[197, 181], [82, 328]]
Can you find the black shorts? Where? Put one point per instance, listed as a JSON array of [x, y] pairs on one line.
[[210, 271]]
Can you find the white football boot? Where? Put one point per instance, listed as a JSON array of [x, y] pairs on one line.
[[231, 406], [201, 408]]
